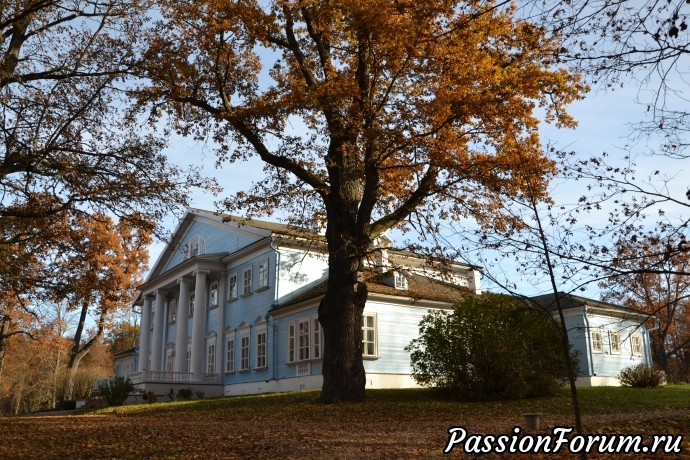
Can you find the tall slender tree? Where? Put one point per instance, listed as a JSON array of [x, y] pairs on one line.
[[99, 276]]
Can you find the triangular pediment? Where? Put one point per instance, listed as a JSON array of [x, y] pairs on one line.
[[203, 232]]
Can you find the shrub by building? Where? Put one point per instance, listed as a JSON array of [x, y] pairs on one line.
[[489, 347], [642, 376]]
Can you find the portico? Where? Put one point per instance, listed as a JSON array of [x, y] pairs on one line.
[[185, 290]]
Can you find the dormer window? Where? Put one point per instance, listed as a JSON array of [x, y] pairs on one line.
[[400, 280], [195, 247]]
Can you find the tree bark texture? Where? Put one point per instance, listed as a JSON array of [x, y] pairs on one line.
[[340, 311]]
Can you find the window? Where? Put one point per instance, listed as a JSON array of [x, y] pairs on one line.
[[291, 342], [636, 344], [400, 281], [304, 340], [189, 356], [303, 368], [261, 349], [195, 247], [369, 335], [211, 358], [244, 353], [153, 318], [316, 335], [597, 341], [172, 309], [232, 286], [230, 355], [191, 305], [214, 294], [263, 275], [169, 357], [615, 342], [247, 281]]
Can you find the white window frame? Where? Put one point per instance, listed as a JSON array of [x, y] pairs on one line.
[[192, 298], [262, 282], [244, 351], [369, 336], [303, 368], [169, 358], [261, 340], [230, 352], [597, 340], [189, 356], [195, 247], [316, 337], [213, 295], [172, 310], [211, 355], [615, 342], [232, 286], [636, 347], [303, 340], [400, 280], [291, 343], [247, 281]]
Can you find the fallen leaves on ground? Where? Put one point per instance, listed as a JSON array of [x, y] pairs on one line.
[[296, 426]]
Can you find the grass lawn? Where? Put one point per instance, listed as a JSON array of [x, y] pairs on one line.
[[391, 424]]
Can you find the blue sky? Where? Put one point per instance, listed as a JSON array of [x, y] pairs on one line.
[[605, 124]]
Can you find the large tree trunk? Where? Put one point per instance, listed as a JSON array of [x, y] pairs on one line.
[[340, 314]]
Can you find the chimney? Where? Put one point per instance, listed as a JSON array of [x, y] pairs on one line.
[[381, 261]]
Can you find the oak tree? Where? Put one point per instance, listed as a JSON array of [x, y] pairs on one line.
[[368, 115]]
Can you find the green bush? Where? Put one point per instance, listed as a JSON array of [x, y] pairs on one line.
[[641, 376], [116, 391], [490, 347]]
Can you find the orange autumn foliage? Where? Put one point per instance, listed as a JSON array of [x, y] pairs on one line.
[[99, 275], [650, 274], [451, 86], [369, 115]]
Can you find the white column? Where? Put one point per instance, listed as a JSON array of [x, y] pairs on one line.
[[158, 326], [181, 338], [220, 337], [145, 334], [199, 326]]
